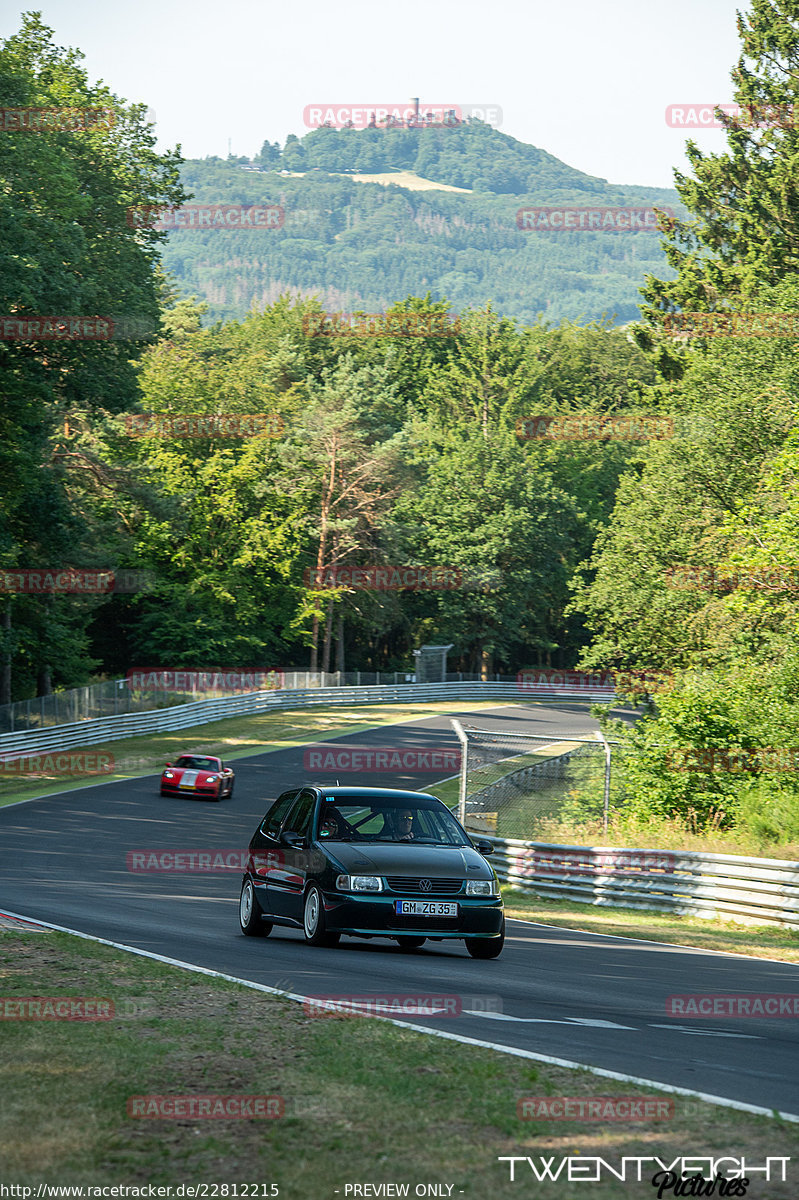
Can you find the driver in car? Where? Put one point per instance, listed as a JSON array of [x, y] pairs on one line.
[[399, 825], [330, 825]]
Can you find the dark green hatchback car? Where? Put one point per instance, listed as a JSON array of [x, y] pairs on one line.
[[370, 862]]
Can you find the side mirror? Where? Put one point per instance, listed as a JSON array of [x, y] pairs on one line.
[[484, 846], [168, 764], [290, 838]]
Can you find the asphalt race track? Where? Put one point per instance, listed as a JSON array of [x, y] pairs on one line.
[[595, 1000]]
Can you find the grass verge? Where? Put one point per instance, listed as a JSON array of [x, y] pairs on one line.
[[755, 941], [365, 1101]]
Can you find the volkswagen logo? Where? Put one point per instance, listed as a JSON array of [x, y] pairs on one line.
[[425, 885]]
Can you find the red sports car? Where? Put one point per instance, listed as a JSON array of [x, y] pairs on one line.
[[197, 775]]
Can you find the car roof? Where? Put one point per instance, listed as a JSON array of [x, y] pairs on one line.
[[378, 793]]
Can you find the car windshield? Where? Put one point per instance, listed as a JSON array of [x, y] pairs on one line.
[[194, 763], [378, 819]]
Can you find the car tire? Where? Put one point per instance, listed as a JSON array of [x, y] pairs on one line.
[[410, 943], [251, 913], [230, 790], [487, 947], [313, 920]]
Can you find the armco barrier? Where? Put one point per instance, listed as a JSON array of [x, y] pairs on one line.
[[200, 712], [759, 891]]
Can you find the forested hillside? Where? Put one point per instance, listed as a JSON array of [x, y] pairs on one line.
[[364, 245]]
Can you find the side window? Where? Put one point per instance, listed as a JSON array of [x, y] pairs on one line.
[[274, 818], [299, 819]]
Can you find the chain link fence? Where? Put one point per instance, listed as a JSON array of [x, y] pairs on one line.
[[511, 782]]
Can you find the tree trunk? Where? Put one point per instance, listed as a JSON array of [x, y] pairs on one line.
[[44, 685], [314, 643], [5, 666], [340, 644], [328, 637], [485, 664]]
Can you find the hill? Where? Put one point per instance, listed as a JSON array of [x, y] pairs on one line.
[[365, 242]]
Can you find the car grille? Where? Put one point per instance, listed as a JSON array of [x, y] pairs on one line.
[[411, 885]]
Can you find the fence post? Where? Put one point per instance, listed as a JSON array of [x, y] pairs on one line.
[[464, 741], [606, 804]]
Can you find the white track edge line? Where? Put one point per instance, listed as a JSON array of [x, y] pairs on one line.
[[722, 1101]]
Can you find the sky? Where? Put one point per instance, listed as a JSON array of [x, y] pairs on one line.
[[588, 80]]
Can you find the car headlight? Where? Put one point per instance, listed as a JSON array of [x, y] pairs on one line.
[[212, 779], [359, 883], [481, 887], [168, 775]]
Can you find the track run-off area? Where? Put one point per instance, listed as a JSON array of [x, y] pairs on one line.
[[578, 998]]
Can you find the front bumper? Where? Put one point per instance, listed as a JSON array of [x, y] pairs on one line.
[[170, 790], [374, 914]]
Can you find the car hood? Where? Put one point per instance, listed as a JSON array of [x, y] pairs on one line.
[[405, 858]]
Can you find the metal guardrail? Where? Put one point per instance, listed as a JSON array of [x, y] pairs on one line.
[[760, 891], [200, 712]]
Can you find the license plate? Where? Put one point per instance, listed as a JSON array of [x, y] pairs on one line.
[[426, 908]]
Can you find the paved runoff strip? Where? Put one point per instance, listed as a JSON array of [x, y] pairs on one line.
[[721, 1101]]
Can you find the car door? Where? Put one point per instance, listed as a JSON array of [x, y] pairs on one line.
[[267, 857], [287, 883]]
